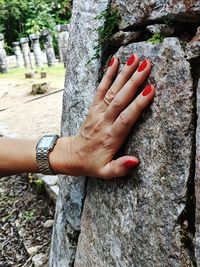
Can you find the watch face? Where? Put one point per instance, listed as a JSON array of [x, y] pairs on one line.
[[46, 142]]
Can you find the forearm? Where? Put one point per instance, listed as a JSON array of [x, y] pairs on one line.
[[19, 156]]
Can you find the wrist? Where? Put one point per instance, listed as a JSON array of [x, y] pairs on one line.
[[59, 158]]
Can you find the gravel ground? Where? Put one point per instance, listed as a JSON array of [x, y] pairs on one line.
[[25, 222]]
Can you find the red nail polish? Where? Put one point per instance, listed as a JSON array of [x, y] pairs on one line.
[[130, 60], [131, 163], [147, 90], [111, 62], [142, 66]]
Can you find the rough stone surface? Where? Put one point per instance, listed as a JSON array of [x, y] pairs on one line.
[[39, 260], [48, 44], [197, 180], [32, 250], [3, 58], [80, 86], [138, 12], [193, 50], [48, 223], [49, 179], [123, 38], [137, 221], [36, 49], [26, 52], [18, 54], [164, 29]]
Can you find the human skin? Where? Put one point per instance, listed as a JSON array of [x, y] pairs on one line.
[[114, 111]]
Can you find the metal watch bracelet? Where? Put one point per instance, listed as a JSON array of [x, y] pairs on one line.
[[45, 145]]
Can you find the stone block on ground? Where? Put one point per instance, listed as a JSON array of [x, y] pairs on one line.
[[29, 75], [40, 88]]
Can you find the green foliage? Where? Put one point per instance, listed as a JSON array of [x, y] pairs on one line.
[[39, 184], [28, 215], [157, 38], [19, 18], [105, 31], [40, 17]]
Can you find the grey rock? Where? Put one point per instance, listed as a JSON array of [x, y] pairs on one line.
[[80, 86], [49, 179], [137, 221], [3, 56], [134, 13], [48, 44], [193, 50], [197, 36], [164, 29], [18, 54], [39, 260], [32, 250], [48, 223], [197, 181], [52, 191], [123, 38]]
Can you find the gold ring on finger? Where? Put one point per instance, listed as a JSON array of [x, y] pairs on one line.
[[106, 101]]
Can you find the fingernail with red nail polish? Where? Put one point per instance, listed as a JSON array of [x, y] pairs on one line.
[[142, 66], [130, 60], [131, 163], [111, 62], [147, 90]]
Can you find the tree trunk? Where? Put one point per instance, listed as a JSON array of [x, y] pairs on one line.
[[147, 218]]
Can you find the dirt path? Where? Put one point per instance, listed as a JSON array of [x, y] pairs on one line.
[[33, 119]]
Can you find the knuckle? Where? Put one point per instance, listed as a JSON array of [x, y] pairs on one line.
[[123, 120], [100, 89], [110, 94], [124, 72], [138, 105], [116, 103], [134, 81], [109, 76], [107, 140]]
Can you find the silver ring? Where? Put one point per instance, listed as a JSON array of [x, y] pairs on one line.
[[106, 101]]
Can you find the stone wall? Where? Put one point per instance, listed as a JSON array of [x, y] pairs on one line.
[[151, 217]]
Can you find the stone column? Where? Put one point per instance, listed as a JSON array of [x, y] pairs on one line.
[[48, 44], [3, 57], [62, 37], [26, 52], [18, 54], [36, 49]]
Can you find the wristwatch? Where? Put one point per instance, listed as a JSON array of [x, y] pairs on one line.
[[45, 145]]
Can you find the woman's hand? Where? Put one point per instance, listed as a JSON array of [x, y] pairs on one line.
[[113, 113]]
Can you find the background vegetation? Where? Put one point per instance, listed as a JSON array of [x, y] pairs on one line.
[[20, 18]]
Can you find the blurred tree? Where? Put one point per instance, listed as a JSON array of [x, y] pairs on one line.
[[19, 18]]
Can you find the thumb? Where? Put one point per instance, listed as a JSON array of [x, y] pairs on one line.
[[119, 167]]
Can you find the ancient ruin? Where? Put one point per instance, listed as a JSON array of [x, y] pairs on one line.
[[3, 59]]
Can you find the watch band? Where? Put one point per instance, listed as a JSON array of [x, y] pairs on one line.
[[45, 145]]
